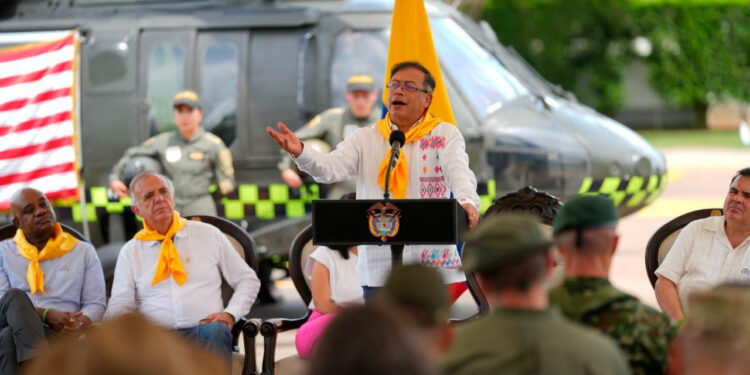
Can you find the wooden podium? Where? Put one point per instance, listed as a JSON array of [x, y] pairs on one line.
[[372, 222]]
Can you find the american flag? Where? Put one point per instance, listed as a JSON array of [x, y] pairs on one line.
[[37, 119]]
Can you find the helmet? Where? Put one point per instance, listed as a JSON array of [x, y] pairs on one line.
[[137, 164], [318, 145]]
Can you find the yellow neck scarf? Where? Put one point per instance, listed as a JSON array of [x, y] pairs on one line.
[[399, 173], [57, 246], [169, 258]]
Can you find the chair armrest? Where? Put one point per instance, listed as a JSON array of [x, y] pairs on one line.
[[250, 329], [270, 330], [236, 330]]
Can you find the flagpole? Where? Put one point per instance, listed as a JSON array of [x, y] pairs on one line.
[[79, 156]]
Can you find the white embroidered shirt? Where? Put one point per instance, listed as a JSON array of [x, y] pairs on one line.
[[437, 165]]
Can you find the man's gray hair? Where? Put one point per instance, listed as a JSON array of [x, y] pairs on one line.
[[137, 181]]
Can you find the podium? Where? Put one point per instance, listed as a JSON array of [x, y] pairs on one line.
[[394, 222]]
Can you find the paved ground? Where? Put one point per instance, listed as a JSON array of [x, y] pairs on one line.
[[698, 178]]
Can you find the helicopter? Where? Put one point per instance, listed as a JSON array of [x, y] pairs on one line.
[[257, 62]]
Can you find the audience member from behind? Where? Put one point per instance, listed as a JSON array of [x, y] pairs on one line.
[[521, 334], [370, 340], [708, 252], [51, 283], [716, 339], [171, 272], [419, 293], [126, 345], [587, 239]]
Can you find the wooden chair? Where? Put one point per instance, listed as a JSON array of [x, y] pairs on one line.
[[244, 244], [299, 252], [527, 199], [662, 240]]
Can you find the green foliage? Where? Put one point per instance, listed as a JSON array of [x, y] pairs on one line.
[[576, 43], [699, 50], [700, 47]]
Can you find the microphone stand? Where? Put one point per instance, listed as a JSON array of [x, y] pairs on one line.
[[397, 251]]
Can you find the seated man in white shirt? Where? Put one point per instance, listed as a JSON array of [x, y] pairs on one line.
[[708, 252], [171, 271]]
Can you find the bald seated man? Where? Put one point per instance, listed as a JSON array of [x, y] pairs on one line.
[[50, 282]]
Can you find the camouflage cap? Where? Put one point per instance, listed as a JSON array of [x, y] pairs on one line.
[[585, 211], [503, 239], [188, 98], [418, 289], [360, 82]]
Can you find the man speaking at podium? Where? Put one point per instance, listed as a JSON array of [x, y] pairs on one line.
[[432, 164]]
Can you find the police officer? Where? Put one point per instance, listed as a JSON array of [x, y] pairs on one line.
[[190, 156], [521, 334], [333, 125], [585, 229]]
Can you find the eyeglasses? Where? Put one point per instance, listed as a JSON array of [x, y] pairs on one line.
[[407, 87]]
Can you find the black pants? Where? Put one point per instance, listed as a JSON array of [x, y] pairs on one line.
[[21, 330]]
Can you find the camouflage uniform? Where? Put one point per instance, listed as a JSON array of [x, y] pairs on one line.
[[642, 332], [192, 165]]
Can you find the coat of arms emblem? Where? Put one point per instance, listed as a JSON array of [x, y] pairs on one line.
[[384, 220]]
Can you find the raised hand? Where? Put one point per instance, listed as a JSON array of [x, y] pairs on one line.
[[286, 139]]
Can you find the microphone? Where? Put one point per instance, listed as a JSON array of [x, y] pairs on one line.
[[397, 140]]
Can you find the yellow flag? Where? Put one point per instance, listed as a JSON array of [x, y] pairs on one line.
[[411, 40]]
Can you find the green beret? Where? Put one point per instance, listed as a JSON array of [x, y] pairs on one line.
[[584, 212], [417, 287], [503, 239]]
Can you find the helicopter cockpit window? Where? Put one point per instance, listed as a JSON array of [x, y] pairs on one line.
[[358, 52], [166, 72], [484, 81], [219, 78]]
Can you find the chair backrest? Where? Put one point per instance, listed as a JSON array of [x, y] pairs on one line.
[[662, 240], [527, 199], [9, 230], [242, 242], [299, 253]]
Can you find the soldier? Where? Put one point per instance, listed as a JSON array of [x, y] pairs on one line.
[[716, 339], [521, 334], [585, 232], [335, 124], [418, 292], [191, 157]]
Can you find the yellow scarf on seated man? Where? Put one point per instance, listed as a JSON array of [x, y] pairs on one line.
[[169, 258], [400, 173], [58, 245]]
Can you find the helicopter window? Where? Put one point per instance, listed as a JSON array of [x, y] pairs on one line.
[[358, 52], [484, 81], [219, 78], [166, 72]]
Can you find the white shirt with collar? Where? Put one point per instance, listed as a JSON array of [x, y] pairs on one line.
[[206, 255], [437, 165], [702, 258]]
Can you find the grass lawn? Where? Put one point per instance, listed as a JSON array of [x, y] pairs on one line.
[[692, 138]]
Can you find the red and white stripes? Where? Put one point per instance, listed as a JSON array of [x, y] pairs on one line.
[[37, 113]]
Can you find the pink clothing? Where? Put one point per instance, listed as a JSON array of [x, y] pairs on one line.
[[310, 332]]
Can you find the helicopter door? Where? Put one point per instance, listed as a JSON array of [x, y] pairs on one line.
[[165, 69]]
